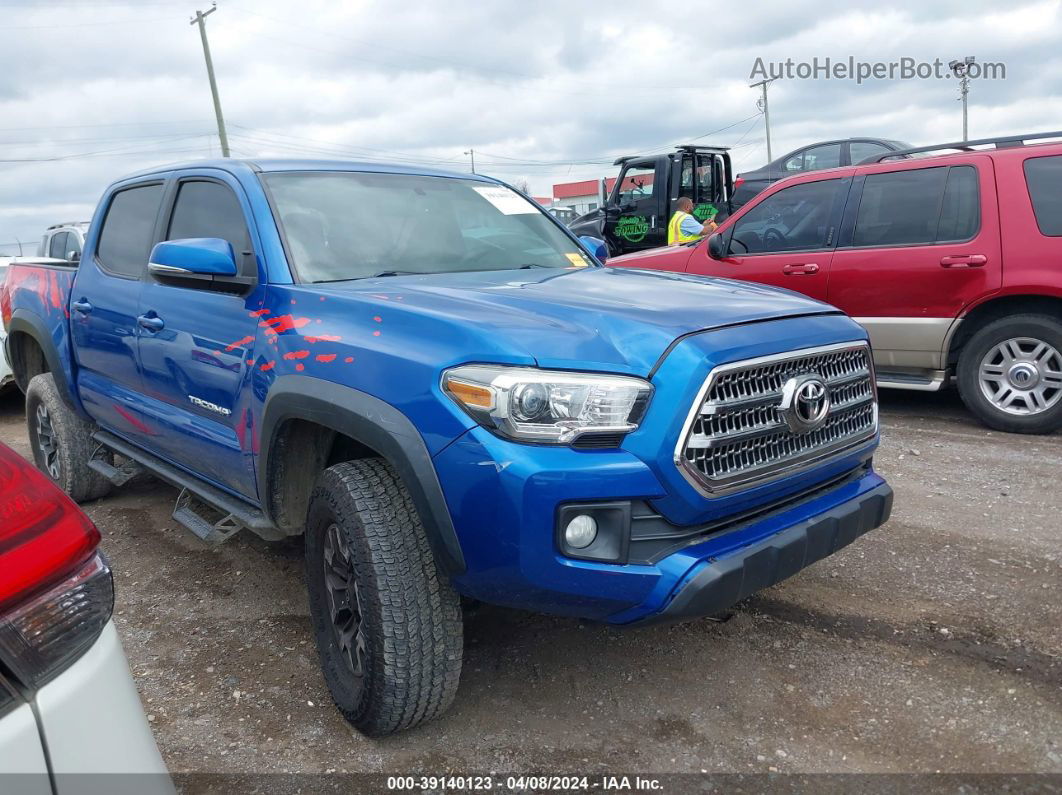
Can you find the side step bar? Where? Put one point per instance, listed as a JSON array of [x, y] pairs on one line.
[[929, 381], [102, 461], [207, 511]]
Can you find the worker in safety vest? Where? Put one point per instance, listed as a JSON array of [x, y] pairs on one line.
[[684, 228]]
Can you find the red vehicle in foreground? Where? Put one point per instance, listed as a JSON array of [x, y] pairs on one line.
[[951, 260]]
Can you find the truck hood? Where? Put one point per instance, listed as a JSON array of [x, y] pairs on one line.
[[612, 319]]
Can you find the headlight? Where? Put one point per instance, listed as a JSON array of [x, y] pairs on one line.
[[547, 406]]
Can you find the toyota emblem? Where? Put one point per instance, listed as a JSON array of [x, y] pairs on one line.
[[805, 403]]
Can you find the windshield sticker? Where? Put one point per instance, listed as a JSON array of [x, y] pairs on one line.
[[507, 201], [632, 228], [705, 212], [577, 260]]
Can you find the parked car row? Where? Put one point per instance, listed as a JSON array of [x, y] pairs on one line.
[[948, 259]]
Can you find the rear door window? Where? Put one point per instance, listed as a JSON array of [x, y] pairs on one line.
[[59, 245], [129, 230], [900, 208], [1043, 175], [960, 212], [861, 150], [918, 207]]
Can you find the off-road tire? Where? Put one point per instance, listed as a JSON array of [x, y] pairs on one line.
[[1037, 327], [66, 459], [410, 615]]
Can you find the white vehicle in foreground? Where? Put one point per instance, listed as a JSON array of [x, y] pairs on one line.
[[69, 710]]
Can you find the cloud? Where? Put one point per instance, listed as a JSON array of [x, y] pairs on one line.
[[546, 92]]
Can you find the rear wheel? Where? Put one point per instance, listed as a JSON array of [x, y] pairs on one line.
[[387, 624], [61, 441], [1010, 374]]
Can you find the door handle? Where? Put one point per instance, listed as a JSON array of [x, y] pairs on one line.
[[963, 261], [151, 322], [802, 269], [82, 306]]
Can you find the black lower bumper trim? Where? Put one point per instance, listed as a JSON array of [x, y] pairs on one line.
[[722, 583]]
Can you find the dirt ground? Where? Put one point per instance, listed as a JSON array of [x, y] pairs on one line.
[[932, 644]]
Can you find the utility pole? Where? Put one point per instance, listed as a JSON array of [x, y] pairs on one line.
[[472, 154], [200, 19], [962, 69], [761, 103]]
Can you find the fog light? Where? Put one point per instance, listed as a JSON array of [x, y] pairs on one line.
[[581, 531]]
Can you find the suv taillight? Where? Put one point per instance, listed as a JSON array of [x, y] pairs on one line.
[[56, 592], [739, 182]]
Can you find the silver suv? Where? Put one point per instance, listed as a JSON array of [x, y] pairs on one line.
[[64, 241]]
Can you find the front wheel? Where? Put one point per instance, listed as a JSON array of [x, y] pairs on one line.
[[387, 625], [1010, 374]]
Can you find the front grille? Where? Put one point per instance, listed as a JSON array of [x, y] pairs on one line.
[[746, 426]]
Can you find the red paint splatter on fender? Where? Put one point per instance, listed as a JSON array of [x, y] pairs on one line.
[[349, 359], [239, 343], [267, 366], [325, 357], [259, 312], [378, 319], [376, 333], [296, 355], [299, 367], [241, 429], [324, 338], [282, 323]]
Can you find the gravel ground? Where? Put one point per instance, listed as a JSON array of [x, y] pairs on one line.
[[932, 644]]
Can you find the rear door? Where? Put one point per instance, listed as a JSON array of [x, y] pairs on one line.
[[916, 246], [634, 215], [104, 302], [784, 239], [198, 351]]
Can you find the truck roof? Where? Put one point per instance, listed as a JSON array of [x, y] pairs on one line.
[[238, 165]]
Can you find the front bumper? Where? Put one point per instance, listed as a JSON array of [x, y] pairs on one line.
[[504, 499], [719, 583]]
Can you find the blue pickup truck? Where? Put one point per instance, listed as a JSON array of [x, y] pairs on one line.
[[450, 396]]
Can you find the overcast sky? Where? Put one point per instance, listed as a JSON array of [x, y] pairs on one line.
[[545, 91]]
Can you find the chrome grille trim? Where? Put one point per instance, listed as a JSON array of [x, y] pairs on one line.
[[735, 437]]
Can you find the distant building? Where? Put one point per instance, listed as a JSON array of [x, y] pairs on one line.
[[583, 196]]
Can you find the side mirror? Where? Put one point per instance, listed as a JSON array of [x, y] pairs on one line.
[[596, 245], [73, 256], [716, 247], [193, 257]]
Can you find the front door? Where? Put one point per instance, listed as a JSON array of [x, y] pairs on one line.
[[104, 309], [198, 355], [785, 239], [916, 246], [634, 216]]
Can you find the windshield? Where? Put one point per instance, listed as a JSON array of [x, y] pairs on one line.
[[347, 225]]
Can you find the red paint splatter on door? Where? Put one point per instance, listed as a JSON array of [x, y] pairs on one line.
[[239, 343]]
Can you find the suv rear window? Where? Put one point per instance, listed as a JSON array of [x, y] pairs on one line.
[[1043, 175], [128, 230], [918, 206]]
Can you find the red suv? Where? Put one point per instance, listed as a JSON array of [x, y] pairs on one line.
[[952, 261]]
